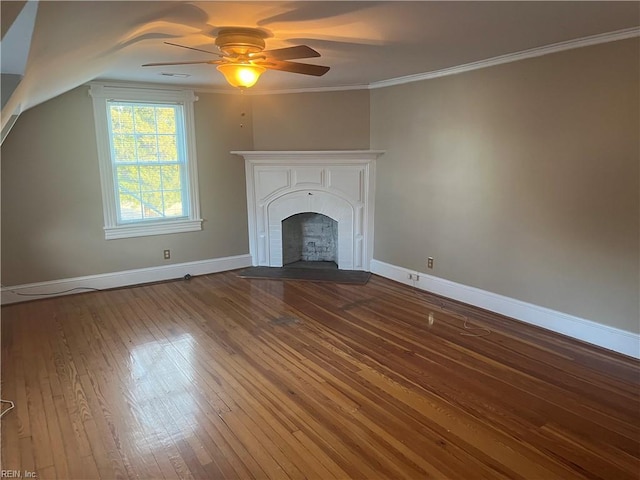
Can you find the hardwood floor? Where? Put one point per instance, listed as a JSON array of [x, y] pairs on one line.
[[222, 377]]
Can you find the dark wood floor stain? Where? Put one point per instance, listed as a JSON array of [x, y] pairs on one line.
[[223, 377]]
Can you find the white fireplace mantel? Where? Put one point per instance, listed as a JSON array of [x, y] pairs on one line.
[[336, 183]]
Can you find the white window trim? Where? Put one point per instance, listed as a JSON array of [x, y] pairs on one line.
[[100, 94]]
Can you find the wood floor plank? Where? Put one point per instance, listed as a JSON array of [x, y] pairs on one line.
[[55, 433], [27, 459], [223, 377], [36, 410], [19, 360]]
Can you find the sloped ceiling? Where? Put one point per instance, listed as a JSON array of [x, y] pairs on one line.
[[363, 42]]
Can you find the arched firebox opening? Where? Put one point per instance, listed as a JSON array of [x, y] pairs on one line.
[[310, 240]]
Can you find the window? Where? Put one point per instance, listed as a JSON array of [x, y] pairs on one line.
[[149, 165], [148, 170]]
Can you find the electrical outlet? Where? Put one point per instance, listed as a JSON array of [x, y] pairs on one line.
[[430, 262], [167, 254]]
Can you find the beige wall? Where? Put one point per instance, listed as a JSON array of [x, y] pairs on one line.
[[52, 206], [520, 179], [311, 121]]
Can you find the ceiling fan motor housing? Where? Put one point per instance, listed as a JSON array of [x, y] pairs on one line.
[[241, 41]]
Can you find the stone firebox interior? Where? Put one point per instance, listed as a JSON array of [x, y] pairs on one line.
[[309, 237], [330, 190]]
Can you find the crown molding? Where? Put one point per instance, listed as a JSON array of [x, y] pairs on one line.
[[512, 57]]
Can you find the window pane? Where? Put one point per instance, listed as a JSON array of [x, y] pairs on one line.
[[173, 205], [145, 118], [152, 205], [167, 147], [150, 178], [147, 148], [122, 118], [124, 148], [128, 181], [130, 208], [171, 177], [166, 119]]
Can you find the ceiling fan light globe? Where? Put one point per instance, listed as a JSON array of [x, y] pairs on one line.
[[241, 75]]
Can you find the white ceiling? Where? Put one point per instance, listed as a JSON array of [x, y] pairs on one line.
[[363, 42]]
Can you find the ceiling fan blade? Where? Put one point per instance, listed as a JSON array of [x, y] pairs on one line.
[[295, 67], [177, 63], [196, 49], [289, 53]]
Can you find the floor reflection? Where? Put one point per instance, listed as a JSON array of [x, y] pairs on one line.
[[162, 384]]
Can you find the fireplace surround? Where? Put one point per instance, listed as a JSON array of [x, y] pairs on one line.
[[337, 183]]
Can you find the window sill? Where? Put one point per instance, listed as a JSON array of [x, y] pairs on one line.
[[159, 228]]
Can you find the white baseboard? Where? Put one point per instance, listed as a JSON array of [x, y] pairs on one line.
[[67, 286], [621, 341]]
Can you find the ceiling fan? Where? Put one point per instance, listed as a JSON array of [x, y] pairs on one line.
[[242, 57]]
